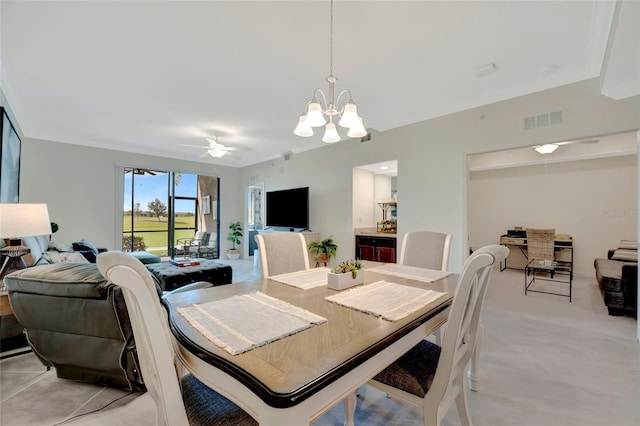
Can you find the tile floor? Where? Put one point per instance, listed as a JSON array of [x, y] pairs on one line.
[[544, 361]]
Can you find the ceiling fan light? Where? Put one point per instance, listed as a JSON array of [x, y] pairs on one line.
[[216, 152], [303, 129], [330, 133], [350, 115], [314, 115], [546, 148], [358, 130]]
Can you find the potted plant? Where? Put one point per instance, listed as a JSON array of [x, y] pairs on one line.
[[345, 275], [323, 250], [234, 236]]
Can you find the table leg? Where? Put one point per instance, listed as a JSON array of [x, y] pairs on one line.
[[349, 409]]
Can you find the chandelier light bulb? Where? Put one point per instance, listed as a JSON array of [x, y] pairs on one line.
[[303, 129], [314, 115], [350, 115], [330, 134], [358, 130]]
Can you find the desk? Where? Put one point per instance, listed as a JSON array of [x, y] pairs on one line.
[[296, 379], [517, 258]]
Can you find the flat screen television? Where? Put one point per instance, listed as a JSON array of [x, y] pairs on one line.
[[288, 208]]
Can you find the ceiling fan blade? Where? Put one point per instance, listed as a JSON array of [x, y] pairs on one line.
[[577, 142], [193, 146]]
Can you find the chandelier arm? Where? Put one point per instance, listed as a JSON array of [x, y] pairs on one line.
[[324, 102], [341, 103]]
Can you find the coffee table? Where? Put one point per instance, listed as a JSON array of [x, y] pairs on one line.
[[171, 276]]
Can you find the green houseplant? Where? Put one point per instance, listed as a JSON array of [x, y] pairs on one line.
[[345, 275], [323, 250], [234, 236]]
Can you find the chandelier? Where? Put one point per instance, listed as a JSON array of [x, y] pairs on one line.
[[343, 106]]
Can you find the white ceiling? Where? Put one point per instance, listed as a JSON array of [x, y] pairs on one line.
[[146, 76]]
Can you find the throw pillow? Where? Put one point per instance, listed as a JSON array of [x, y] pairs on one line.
[[84, 245], [625, 255], [56, 257]]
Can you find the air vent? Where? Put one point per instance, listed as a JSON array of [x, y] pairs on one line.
[[366, 138], [287, 156], [547, 119]]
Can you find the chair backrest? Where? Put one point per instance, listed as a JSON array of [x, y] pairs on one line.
[[200, 237], [282, 252], [213, 239], [540, 244], [151, 333], [462, 326], [426, 249]]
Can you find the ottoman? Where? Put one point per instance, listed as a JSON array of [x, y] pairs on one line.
[[171, 276], [146, 257]]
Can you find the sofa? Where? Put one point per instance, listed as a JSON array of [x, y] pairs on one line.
[[617, 277], [76, 321]]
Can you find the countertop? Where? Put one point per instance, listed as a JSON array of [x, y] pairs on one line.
[[372, 232]]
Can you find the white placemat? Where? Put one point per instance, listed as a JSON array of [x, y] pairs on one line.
[[240, 323], [305, 280], [412, 272], [385, 299]]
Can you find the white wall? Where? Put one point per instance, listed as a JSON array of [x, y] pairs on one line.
[[432, 169], [593, 200]]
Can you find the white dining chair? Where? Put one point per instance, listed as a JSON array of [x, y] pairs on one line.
[[430, 376], [426, 249], [179, 400], [282, 252]]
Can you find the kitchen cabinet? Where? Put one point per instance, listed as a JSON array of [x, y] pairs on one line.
[[378, 249]]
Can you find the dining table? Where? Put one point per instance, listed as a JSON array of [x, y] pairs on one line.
[[293, 380]]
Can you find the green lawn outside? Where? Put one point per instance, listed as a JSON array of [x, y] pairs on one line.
[[159, 238]]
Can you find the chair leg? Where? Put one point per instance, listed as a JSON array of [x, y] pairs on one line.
[[473, 375], [461, 401], [349, 409]]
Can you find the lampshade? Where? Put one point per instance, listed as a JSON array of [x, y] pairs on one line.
[[350, 115], [24, 220], [314, 115], [546, 148], [303, 129], [358, 130], [331, 134]]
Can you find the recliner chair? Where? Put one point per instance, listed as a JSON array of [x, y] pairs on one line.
[[76, 321]]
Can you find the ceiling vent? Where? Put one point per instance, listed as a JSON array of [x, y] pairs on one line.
[[547, 119], [287, 156]]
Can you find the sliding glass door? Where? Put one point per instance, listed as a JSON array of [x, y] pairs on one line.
[[162, 207]]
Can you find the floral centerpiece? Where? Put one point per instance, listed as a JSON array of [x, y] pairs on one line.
[[345, 275]]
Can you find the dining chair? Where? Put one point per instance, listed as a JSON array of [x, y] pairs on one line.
[[179, 400], [432, 376], [282, 252], [426, 249]]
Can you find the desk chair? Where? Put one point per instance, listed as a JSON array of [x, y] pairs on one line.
[[431, 376], [179, 401], [426, 249], [282, 252], [540, 246]]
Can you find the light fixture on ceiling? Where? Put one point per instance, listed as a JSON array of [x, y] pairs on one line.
[[315, 110], [547, 148]]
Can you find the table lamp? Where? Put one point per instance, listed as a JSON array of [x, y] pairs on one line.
[[23, 220], [17, 221]]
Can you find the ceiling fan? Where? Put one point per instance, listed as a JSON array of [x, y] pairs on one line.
[[548, 148], [214, 148]]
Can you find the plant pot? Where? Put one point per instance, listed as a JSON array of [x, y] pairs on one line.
[[342, 281], [322, 259], [233, 255]]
